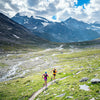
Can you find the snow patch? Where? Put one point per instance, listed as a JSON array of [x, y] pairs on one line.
[[45, 24], [41, 18], [25, 21], [88, 28], [95, 27], [16, 36], [35, 28], [9, 28]]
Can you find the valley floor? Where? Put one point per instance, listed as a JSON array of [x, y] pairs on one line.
[[20, 74]]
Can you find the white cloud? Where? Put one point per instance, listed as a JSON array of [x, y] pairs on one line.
[[62, 9], [93, 11]]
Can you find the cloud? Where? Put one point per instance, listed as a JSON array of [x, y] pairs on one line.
[[33, 3], [62, 9], [8, 8], [93, 10]]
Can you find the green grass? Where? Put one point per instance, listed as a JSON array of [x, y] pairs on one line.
[[70, 86], [87, 62], [21, 88], [3, 65]]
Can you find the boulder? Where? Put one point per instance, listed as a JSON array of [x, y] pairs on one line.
[[61, 95], [92, 99], [94, 81], [84, 79], [84, 87], [69, 97]]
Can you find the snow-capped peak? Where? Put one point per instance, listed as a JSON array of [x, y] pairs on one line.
[[41, 18], [45, 24]]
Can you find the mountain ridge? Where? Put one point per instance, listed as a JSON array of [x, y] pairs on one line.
[[69, 30], [12, 34]]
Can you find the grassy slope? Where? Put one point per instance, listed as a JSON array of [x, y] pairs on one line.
[[70, 64]]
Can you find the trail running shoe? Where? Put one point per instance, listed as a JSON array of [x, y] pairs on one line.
[[51, 79]]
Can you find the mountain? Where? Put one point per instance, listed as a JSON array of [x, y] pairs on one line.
[[96, 27], [12, 33], [70, 30], [30, 22]]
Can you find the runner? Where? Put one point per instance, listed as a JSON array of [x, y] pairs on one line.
[[54, 73], [45, 78]]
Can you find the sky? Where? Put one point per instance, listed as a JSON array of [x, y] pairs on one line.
[[54, 10]]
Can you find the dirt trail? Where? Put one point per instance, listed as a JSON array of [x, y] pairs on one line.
[[43, 88]]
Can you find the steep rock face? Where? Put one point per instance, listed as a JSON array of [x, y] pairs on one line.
[[12, 32], [69, 30]]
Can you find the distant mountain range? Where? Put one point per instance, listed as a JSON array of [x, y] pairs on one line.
[[14, 33], [70, 30]]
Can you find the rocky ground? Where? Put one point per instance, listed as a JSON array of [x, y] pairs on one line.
[[20, 65]]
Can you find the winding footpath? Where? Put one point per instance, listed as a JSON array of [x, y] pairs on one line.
[[34, 95]]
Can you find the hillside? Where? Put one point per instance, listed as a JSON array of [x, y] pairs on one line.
[[14, 35]]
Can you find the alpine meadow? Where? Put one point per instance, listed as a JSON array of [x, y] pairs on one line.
[[50, 50]]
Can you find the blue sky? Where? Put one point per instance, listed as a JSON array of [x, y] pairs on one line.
[[54, 17], [82, 2], [53, 10], [79, 3]]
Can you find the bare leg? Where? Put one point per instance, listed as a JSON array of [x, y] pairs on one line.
[[46, 83], [54, 77]]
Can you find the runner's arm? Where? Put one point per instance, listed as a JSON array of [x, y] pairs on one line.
[[42, 75]]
